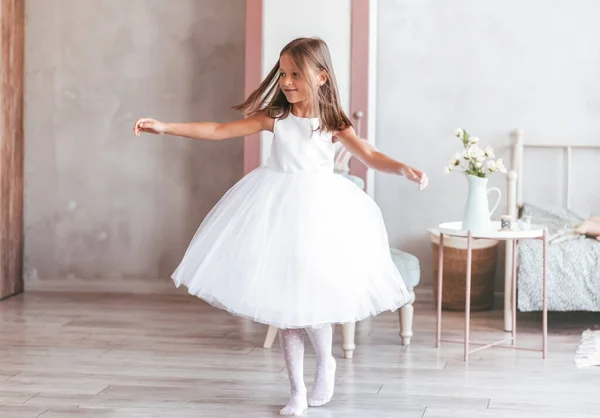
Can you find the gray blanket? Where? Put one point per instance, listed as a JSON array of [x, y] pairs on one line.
[[573, 265]]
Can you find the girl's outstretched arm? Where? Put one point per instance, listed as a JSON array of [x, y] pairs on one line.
[[376, 160], [210, 131]]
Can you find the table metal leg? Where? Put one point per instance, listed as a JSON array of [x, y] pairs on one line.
[[545, 297], [510, 306], [438, 333], [514, 291], [508, 287], [468, 296]]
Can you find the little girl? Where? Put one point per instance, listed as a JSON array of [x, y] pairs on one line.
[[293, 244]]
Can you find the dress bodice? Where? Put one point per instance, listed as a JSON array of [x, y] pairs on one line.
[[299, 146]]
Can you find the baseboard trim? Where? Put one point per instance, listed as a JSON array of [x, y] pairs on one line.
[[423, 293], [104, 286]]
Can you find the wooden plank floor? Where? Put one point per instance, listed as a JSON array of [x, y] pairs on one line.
[[145, 356]]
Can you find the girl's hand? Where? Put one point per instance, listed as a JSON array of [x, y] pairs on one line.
[[414, 175], [150, 126], [377, 160]]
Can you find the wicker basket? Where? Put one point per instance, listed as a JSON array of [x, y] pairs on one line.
[[483, 272]]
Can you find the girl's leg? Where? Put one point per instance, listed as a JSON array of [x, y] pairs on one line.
[[321, 339], [292, 345]]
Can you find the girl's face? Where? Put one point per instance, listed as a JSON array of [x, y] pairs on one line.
[[295, 87]]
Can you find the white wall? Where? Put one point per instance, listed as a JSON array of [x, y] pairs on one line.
[[285, 20], [489, 67]]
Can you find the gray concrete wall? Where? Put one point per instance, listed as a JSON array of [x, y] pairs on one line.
[[489, 67], [101, 203]]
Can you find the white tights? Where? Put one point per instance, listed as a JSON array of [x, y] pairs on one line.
[[292, 345]]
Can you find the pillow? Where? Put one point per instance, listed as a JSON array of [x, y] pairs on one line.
[[554, 218]]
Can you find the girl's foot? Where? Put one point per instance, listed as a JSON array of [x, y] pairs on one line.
[[324, 384], [296, 406]]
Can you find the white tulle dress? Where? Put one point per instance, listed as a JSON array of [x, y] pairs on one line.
[[293, 244]]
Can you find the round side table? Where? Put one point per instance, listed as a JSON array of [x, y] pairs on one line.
[[454, 229]]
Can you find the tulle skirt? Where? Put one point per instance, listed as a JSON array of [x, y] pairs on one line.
[[294, 251]]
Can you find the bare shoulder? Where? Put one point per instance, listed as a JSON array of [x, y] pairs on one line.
[[266, 122], [345, 134]]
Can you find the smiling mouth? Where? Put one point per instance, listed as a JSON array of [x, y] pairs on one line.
[[289, 90]]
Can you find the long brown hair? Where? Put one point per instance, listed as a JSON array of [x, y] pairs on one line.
[[306, 53]]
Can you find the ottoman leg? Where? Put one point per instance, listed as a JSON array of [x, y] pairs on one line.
[[406, 320], [348, 332]]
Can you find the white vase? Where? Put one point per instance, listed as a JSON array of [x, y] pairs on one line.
[[477, 213]]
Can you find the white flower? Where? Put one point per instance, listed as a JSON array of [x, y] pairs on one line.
[[476, 153], [455, 161], [500, 165], [473, 158]]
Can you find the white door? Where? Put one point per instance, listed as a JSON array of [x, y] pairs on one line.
[[348, 27]]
